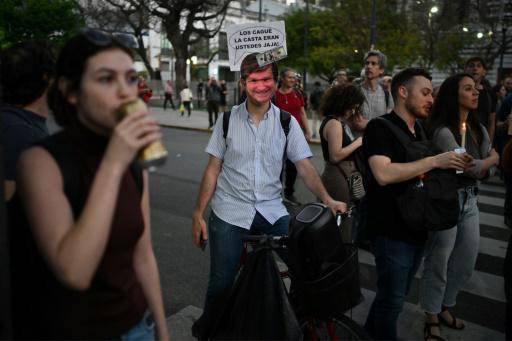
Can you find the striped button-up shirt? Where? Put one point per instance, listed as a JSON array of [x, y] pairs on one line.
[[252, 155]]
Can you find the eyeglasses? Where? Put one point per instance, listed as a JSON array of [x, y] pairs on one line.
[[101, 38]]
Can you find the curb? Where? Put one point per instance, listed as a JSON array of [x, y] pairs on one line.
[[206, 130]]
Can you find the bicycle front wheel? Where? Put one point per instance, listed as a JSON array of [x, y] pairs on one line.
[[341, 328]]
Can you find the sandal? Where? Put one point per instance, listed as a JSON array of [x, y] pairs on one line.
[[453, 324], [427, 332]]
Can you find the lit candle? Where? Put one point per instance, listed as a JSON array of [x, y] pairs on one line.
[[463, 135]]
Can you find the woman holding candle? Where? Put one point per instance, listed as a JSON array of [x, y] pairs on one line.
[[450, 255]]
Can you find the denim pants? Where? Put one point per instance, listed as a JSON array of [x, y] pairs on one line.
[[226, 247], [450, 256], [396, 264], [142, 331]]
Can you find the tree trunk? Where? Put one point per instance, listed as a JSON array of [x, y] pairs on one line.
[[142, 52], [180, 66], [180, 69]]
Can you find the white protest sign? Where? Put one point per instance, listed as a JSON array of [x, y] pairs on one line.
[[245, 39]]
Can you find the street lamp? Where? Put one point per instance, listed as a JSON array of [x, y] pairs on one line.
[[465, 29], [479, 35], [434, 9], [373, 25]]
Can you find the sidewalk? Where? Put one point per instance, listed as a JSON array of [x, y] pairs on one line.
[[197, 121]]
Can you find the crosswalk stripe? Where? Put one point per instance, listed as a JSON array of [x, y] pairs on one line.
[[492, 220], [480, 283], [492, 247], [411, 320], [492, 188], [484, 199]]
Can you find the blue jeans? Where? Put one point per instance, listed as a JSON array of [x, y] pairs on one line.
[[450, 256], [143, 331], [396, 264], [226, 247]]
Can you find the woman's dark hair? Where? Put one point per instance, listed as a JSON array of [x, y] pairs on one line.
[[26, 71], [445, 112], [71, 65], [339, 99], [497, 88]]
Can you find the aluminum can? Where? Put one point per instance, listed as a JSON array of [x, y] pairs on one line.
[[154, 154]]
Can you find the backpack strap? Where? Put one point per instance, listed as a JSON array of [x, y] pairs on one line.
[[225, 123], [285, 118], [386, 95]]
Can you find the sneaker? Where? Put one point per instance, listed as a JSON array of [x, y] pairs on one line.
[[292, 200]]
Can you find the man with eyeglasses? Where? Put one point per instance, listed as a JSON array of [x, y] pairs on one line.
[[243, 175]]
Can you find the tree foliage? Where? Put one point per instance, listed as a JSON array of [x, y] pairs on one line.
[[186, 23], [51, 20], [338, 37], [442, 39], [120, 16], [407, 32]]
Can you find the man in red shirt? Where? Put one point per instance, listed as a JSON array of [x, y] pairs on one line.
[[289, 99]]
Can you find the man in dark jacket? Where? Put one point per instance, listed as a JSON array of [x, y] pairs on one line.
[[213, 94]]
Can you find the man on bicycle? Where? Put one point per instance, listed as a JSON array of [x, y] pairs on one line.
[[243, 176]]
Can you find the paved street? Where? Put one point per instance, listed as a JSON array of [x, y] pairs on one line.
[[184, 268]]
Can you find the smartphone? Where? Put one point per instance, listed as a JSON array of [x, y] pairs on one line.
[[202, 242]]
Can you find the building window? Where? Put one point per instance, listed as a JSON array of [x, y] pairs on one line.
[[226, 74], [223, 46]]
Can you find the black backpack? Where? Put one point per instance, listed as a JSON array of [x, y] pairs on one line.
[[431, 203]]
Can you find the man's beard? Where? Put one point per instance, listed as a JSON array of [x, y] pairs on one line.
[[414, 110]]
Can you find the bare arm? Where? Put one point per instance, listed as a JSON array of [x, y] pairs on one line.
[[387, 172], [313, 182], [74, 246], [9, 189], [492, 160], [333, 133], [304, 118], [492, 126], [208, 184], [146, 269]]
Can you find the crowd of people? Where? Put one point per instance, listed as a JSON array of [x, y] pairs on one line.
[[82, 262]]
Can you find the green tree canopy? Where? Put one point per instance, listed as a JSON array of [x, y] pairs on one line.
[[339, 37], [50, 20]]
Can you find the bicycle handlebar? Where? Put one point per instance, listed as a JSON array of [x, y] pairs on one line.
[[263, 238], [340, 216]]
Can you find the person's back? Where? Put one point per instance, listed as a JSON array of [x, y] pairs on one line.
[[186, 95], [26, 72]]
